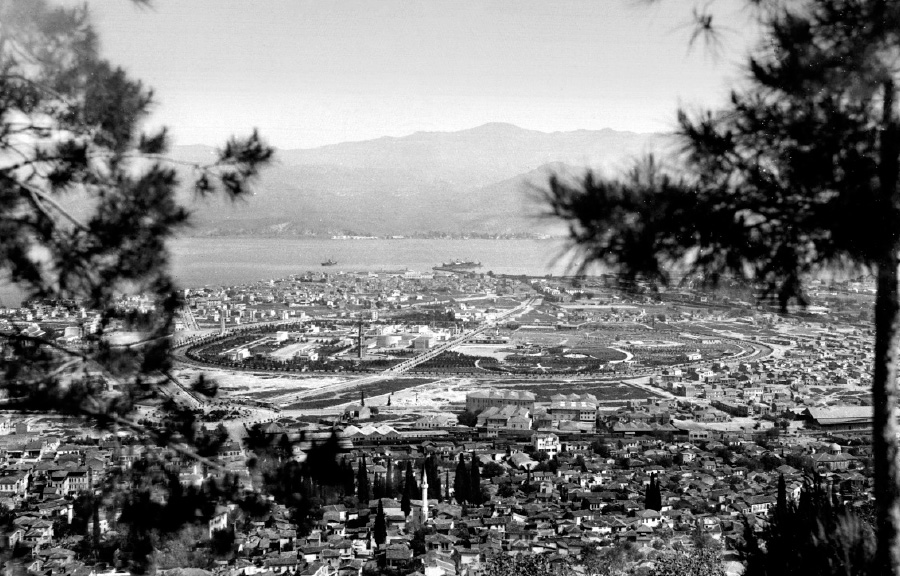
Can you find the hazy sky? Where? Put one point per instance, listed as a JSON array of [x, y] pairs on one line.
[[309, 73]]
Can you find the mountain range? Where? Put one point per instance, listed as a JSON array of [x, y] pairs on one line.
[[482, 180]]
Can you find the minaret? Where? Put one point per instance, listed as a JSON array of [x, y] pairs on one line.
[[424, 496]]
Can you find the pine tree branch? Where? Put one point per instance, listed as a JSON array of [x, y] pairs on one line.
[[100, 415], [28, 161], [179, 447], [40, 197], [38, 85], [52, 344]]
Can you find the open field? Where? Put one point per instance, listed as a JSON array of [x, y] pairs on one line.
[[380, 388], [498, 351], [257, 385]]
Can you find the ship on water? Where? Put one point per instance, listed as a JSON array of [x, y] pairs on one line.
[[330, 262], [457, 266]]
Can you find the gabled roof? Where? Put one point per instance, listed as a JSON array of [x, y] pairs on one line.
[[839, 414], [502, 395]]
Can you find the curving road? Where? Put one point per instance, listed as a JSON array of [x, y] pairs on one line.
[[749, 351], [403, 366]]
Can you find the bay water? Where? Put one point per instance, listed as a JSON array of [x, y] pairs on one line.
[[231, 261]]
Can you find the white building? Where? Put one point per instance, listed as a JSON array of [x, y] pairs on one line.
[[546, 442]]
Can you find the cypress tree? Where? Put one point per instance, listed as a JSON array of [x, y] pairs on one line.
[[389, 480], [553, 464], [378, 488], [447, 485], [349, 480], [813, 538], [811, 137], [410, 480], [648, 495], [434, 478], [781, 503], [362, 482], [406, 501], [475, 482], [653, 497], [95, 524], [461, 482], [380, 526]]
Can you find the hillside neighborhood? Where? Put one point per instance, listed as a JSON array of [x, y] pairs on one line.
[[590, 420]]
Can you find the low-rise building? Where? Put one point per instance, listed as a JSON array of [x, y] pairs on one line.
[[481, 400]]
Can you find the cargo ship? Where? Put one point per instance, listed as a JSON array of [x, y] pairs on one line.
[[329, 262], [457, 266]]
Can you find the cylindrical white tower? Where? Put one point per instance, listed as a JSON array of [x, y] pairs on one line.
[[424, 496]]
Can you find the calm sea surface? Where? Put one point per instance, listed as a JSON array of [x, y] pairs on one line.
[[198, 262], [229, 261]]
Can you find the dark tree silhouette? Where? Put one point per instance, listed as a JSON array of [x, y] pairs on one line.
[[408, 486], [82, 186], [580, 463], [348, 477], [430, 469], [378, 488], [467, 418], [410, 481], [815, 538], [461, 481], [653, 495], [389, 490], [800, 172], [380, 528], [475, 482], [88, 201], [362, 482], [321, 460], [781, 505]]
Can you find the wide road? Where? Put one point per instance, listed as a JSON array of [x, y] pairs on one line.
[[187, 315]]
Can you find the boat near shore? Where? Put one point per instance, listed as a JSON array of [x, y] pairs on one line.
[[458, 266]]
